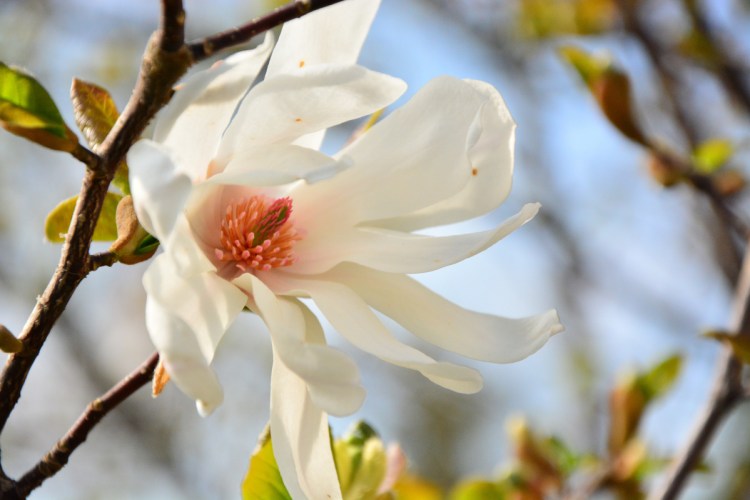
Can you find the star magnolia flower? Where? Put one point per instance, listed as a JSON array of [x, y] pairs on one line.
[[250, 214]]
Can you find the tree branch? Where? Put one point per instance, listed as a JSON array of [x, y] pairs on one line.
[[58, 456], [165, 61], [172, 25], [202, 49], [727, 392]]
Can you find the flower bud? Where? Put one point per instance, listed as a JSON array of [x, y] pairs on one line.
[[626, 405], [130, 235], [663, 172]]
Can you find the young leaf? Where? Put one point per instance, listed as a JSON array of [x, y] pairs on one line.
[[96, 113], [58, 221], [27, 110], [609, 86], [740, 344], [711, 155], [659, 379], [263, 479]]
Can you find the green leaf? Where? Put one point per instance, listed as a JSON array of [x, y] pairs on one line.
[[711, 155], [58, 221], [263, 480], [478, 489], [95, 114], [27, 110], [589, 67], [657, 381]]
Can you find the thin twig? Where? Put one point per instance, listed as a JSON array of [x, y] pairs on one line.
[[87, 157], [58, 456], [729, 69], [669, 79], [201, 49], [102, 259], [727, 392]]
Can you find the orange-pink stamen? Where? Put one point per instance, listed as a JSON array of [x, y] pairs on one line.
[[257, 234]]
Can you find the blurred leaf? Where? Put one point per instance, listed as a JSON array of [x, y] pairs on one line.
[[95, 114], [590, 68], [711, 155], [728, 182], [740, 344], [660, 379], [567, 460], [609, 86], [410, 487], [263, 480], [477, 489], [27, 110], [58, 220]]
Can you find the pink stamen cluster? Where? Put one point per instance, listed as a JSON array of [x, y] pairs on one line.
[[256, 234]]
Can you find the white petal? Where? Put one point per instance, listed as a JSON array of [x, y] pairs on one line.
[[186, 318], [204, 302], [286, 107], [301, 441], [333, 35], [422, 155], [431, 317], [158, 188], [278, 164], [398, 252], [490, 152], [200, 110], [182, 357], [351, 317], [331, 376]]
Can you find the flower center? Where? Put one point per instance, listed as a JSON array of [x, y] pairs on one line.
[[256, 234]]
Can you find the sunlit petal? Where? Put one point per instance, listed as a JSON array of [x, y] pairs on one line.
[[351, 317], [158, 187], [200, 110], [439, 321], [301, 441]]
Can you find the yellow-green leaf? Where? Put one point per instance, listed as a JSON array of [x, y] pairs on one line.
[[96, 113], [263, 480], [711, 155], [27, 110], [478, 489], [589, 67], [659, 379], [58, 221], [740, 344]]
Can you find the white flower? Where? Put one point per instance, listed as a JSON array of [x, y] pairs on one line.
[[250, 214]]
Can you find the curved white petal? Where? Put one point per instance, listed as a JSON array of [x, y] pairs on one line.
[[431, 317], [186, 318], [182, 357], [158, 187], [333, 35], [352, 317], [490, 152], [450, 146], [278, 164], [301, 440], [286, 107], [200, 110], [331, 376], [398, 252]]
